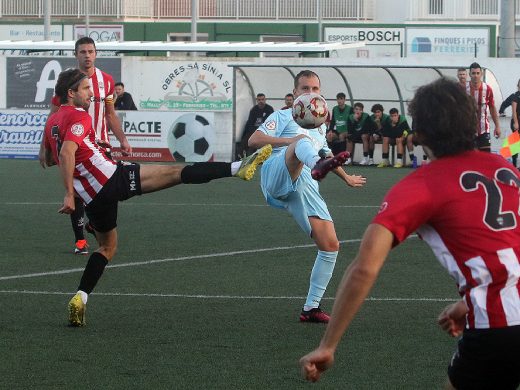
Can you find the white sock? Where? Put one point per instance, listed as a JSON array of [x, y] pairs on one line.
[[235, 166], [84, 296]]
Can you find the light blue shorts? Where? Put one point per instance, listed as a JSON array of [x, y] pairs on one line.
[[300, 198]]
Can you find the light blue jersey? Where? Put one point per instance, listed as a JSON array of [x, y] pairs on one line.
[[281, 124], [301, 198]]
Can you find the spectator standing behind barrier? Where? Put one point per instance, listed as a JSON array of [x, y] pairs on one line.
[[483, 95], [337, 131], [289, 100], [124, 100], [257, 116]]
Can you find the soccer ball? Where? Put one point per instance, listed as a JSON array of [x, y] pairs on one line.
[[310, 110], [191, 138]]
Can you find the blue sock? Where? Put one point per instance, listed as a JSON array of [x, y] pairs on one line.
[[320, 277], [306, 153]]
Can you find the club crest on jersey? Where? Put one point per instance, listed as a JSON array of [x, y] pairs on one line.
[[271, 125], [77, 129], [383, 207]]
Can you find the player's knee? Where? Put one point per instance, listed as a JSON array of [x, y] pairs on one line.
[[109, 251], [329, 245]]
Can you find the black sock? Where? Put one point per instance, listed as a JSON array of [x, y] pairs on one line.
[[77, 219], [93, 271], [385, 156], [412, 156], [399, 156], [199, 173]]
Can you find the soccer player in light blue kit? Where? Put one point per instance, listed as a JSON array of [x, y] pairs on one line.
[[290, 181]]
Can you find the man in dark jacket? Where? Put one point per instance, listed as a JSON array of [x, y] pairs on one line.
[[257, 115], [124, 100]]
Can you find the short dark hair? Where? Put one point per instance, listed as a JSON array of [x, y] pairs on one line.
[[359, 104], [304, 73], [341, 95], [119, 83], [260, 95], [377, 107], [83, 41], [475, 65], [393, 111], [444, 117], [289, 95], [68, 79]]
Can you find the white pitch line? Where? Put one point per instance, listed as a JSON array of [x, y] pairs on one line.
[[230, 297], [184, 258], [168, 260]]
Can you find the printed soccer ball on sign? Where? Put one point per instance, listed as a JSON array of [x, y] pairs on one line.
[[310, 110], [191, 138]]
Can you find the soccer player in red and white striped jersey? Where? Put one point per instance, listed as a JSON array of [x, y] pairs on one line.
[[466, 206], [482, 93], [103, 116], [86, 171]]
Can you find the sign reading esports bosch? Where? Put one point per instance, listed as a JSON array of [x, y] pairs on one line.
[[32, 80], [367, 35]]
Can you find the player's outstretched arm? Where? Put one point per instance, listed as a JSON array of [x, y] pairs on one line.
[[357, 282], [351, 180]]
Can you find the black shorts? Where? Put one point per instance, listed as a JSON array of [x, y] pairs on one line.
[[124, 183], [395, 132], [483, 141], [487, 359], [356, 136]]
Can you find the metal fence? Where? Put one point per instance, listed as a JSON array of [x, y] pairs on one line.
[[425, 10], [208, 9], [456, 9]]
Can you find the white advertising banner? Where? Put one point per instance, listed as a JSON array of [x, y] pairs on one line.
[[175, 136], [186, 85], [154, 136], [100, 33], [379, 41], [448, 42], [21, 132], [369, 35]]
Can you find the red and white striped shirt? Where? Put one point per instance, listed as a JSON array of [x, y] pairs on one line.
[[102, 86], [92, 167], [466, 208], [484, 99]]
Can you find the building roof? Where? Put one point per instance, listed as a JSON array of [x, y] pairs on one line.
[[129, 46]]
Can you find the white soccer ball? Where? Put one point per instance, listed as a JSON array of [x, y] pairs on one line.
[[191, 138], [310, 110]]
